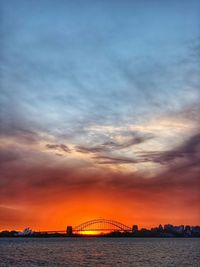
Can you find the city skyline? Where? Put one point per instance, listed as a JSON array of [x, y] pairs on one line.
[[99, 112], [127, 228], [108, 228]]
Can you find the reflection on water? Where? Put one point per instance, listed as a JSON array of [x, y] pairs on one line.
[[99, 252]]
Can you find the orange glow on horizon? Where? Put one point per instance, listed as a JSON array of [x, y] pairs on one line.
[[91, 232], [145, 202], [58, 215]]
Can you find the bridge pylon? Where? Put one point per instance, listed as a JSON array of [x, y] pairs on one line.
[[69, 230]]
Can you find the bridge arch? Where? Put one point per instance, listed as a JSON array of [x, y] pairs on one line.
[[101, 225]]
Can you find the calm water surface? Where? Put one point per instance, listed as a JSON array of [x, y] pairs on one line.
[[99, 252]]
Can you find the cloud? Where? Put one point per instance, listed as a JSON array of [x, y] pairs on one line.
[[134, 138], [60, 147], [114, 160], [96, 149], [22, 134], [32, 182], [189, 152], [7, 156]]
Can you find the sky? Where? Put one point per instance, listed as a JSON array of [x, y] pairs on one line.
[[99, 112]]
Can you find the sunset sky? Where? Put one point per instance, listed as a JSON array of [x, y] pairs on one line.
[[99, 112]]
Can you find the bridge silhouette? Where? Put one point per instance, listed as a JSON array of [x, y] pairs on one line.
[[96, 225], [99, 225]]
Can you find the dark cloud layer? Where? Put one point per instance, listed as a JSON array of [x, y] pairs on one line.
[[45, 185], [188, 152], [20, 176]]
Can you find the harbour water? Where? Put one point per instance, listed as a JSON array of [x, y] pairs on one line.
[[89, 251]]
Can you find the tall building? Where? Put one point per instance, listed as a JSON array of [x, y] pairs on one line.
[[168, 227], [134, 228]]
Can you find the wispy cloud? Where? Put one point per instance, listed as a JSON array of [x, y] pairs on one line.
[[60, 147], [131, 139], [189, 151]]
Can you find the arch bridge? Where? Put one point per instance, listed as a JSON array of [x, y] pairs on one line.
[[101, 225]]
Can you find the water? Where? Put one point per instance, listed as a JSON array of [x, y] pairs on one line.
[[99, 252]]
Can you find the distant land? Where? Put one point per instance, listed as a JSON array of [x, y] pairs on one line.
[[167, 230]]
